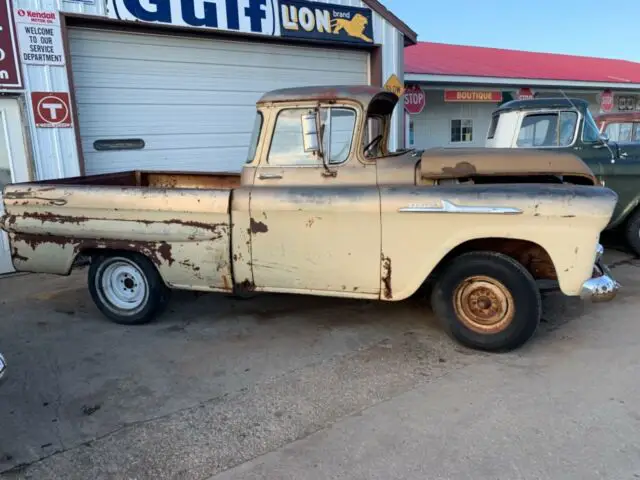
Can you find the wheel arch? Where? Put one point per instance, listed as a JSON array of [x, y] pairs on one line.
[[531, 255]]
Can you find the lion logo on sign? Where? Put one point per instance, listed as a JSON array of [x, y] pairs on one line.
[[353, 27]]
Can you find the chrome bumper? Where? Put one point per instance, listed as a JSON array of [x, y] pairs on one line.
[[602, 287], [3, 368]]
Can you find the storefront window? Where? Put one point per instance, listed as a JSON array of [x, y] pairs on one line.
[[461, 131]]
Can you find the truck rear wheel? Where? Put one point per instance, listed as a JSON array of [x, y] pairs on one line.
[[127, 288], [632, 232], [487, 301]]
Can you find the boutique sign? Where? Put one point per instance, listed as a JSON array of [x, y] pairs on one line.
[[287, 18]]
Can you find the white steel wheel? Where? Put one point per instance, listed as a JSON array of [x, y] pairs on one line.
[[126, 287], [123, 286]]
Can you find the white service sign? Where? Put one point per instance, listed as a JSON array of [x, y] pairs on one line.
[[40, 37]]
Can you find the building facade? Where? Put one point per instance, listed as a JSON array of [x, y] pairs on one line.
[[463, 85], [99, 86]]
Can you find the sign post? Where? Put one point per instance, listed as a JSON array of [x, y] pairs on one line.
[[9, 66], [414, 99]]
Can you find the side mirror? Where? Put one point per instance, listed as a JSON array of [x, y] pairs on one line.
[[310, 137], [604, 138]]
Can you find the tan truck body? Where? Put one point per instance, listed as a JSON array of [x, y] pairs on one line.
[[372, 227]]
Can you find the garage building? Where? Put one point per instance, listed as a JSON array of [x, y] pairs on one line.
[[171, 85]]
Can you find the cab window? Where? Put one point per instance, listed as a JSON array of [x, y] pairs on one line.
[[255, 136], [374, 130], [624, 132], [590, 133], [287, 146], [339, 124], [548, 130]]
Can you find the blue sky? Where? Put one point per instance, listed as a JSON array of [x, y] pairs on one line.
[[578, 27]]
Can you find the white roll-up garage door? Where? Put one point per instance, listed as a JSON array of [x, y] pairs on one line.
[[191, 101]]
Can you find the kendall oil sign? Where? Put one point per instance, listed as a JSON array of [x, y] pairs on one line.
[[328, 22]]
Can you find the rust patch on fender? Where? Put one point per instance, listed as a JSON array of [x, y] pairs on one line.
[[245, 287], [257, 227], [461, 169], [386, 277], [53, 218]]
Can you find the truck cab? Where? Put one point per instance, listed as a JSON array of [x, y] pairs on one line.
[[566, 125]]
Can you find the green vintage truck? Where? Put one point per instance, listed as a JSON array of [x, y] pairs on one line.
[[566, 125]]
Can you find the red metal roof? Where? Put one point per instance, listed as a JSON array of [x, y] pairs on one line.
[[459, 60]]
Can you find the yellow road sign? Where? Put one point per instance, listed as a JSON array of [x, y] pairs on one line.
[[393, 84]]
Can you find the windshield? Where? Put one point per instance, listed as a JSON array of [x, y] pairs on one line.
[[591, 134], [255, 136]]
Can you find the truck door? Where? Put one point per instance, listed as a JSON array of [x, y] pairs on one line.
[[312, 231]]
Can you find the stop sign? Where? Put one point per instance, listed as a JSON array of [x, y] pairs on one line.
[[414, 99], [525, 94], [606, 101]]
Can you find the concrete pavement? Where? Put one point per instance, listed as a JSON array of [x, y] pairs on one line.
[[294, 387]]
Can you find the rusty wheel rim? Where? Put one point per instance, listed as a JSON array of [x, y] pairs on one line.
[[484, 305]]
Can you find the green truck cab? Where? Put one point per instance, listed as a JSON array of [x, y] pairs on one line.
[[566, 125]]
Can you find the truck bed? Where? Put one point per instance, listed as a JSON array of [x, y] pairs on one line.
[[137, 178], [180, 221]]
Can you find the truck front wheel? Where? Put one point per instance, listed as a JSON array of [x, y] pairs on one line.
[[487, 301], [126, 287]]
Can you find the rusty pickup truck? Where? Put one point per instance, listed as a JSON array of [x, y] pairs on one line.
[[322, 207]]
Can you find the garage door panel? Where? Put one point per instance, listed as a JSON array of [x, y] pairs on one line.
[[158, 119], [100, 44], [186, 159], [191, 100], [156, 142]]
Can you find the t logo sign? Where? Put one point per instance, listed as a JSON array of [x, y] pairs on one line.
[[51, 109]]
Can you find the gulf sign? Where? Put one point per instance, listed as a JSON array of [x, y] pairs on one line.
[[472, 96], [249, 16], [287, 18]]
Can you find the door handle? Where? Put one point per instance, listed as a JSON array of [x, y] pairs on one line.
[[270, 176]]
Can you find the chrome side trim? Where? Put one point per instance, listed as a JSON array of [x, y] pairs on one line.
[[449, 207]]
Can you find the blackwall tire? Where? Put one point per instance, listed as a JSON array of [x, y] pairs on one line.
[[127, 288], [487, 301], [632, 232]]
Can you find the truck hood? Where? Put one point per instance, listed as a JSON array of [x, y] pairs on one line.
[[452, 163]]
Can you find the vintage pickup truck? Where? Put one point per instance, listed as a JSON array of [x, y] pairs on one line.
[[322, 207], [620, 127], [566, 125]]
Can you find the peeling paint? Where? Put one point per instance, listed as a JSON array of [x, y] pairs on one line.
[[386, 277], [246, 286], [257, 227]]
